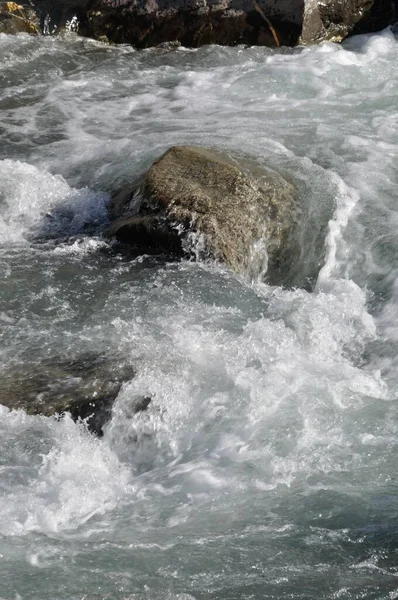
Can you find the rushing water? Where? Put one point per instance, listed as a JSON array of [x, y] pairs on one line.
[[266, 464]]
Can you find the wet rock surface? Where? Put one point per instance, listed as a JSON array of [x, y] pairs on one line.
[[207, 203], [86, 387], [17, 18]]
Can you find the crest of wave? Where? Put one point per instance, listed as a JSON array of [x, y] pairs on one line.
[[61, 485], [35, 203]]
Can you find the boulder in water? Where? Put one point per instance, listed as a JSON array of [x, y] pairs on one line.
[[238, 212], [85, 387], [15, 18]]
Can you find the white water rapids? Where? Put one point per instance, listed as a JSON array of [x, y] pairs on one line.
[[266, 464]]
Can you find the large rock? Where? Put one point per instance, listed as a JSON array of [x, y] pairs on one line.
[[15, 18], [256, 22], [146, 23], [85, 387], [334, 20], [232, 209]]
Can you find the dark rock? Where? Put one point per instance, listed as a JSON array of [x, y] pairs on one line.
[[244, 212], [85, 387], [55, 15], [142, 404], [193, 23], [15, 18], [149, 233], [334, 20]]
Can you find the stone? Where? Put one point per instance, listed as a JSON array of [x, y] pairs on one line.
[[334, 20], [151, 233], [193, 23], [85, 387], [15, 18], [236, 211]]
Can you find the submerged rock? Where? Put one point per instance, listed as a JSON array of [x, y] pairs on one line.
[[85, 387], [15, 18], [229, 208]]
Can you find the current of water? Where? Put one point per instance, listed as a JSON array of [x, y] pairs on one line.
[[265, 466]]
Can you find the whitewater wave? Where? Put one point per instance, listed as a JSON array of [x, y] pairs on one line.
[[36, 204]]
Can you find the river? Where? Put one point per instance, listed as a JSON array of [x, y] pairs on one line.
[[265, 466]]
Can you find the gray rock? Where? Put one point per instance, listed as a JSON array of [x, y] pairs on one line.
[[334, 20], [85, 387], [235, 210]]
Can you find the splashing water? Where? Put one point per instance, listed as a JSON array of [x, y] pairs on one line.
[[264, 465], [73, 25]]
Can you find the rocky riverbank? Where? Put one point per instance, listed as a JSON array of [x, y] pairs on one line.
[[193, 23]]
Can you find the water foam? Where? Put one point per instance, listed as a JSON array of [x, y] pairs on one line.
[[34, 203], [266, 458], [75, 478]]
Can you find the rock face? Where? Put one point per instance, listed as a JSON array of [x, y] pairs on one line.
[[237, 212], [146, 23], [334, 20], [15, 18], [193, 23], [256, 22], [86, 387], [54, 15]]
